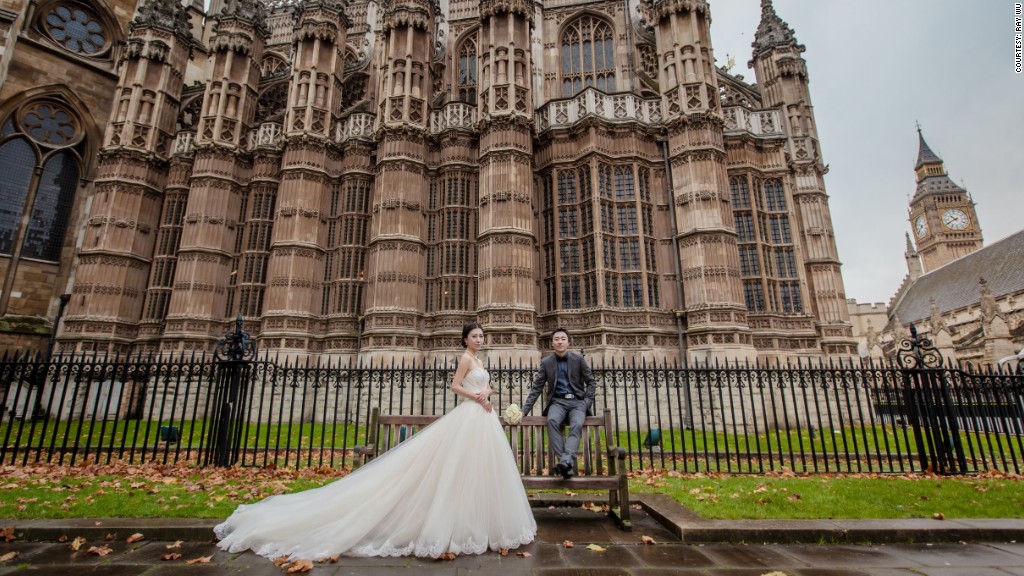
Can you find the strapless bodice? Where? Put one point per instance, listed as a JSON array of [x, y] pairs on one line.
[[476, 379]]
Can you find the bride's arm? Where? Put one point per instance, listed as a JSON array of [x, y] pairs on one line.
[[481, 397]]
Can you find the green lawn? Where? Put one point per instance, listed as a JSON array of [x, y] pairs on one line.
[[855, 496], [797, 449]]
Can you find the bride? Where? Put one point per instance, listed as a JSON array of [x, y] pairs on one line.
[[452, 487]]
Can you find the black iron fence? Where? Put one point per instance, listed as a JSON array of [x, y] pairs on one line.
[[804, 417]]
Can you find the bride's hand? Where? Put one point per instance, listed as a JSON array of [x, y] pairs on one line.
[[486, 404]]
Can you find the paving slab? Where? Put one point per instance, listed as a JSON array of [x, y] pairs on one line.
[[745, 548]]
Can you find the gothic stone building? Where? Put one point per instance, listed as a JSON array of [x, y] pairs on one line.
[[361, 178]]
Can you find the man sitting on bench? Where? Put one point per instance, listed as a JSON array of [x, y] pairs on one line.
[[570, 395]]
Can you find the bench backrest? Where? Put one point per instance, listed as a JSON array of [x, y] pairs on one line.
[[528, 440]]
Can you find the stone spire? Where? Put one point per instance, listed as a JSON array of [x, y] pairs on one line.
[[924, 153], [932, 177], [772, 31]]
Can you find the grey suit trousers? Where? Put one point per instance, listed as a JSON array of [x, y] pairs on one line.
[[565, 449]]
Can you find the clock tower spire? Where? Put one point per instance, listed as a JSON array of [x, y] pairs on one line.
[[942, 213]]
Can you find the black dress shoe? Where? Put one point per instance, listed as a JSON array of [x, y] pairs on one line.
[[567, 471], [560, 469]]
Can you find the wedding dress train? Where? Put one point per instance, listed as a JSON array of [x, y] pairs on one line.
[[451, 487]]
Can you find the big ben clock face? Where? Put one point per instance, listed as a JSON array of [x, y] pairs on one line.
[[921, 226], [955, 219]]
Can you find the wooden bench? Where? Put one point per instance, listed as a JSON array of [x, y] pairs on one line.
[[600, 464]]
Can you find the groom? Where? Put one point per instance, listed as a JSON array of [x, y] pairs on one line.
[[570, 395]]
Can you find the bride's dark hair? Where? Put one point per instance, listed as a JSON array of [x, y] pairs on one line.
[[469, 327]]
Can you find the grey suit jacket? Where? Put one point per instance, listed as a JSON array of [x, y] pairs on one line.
[[581, 381]]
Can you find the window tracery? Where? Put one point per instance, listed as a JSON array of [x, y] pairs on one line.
[[189, 114], [768, 263], [82, 28], [76, 28], [44, 137], [273, 65], [588, 56], [467, 71], [272, 103]]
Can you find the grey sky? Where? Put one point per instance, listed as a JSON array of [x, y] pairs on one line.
[[878, 66]]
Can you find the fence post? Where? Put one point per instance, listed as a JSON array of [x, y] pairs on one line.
[[930, 409], [233, 355]]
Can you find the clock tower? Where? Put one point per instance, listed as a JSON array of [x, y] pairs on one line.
[[942, 215]]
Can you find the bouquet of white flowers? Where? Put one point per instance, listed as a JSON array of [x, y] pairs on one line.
[[513, 415]]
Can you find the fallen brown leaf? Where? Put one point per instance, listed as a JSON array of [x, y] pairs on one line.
[[62, 538], [8, 556], [568, 544], [177, 544], [523, 554], [77, 543], [503, 552], [200, 560], [595, 548], [7, 534], [135, 537], [447, 556], [99, 550], [171, 556], [939, 516], [281, 560], [647, 540], [109, 537], [300, 566]]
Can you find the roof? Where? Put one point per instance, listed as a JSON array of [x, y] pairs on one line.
[[924, 152], [937, 185], [956, 285]]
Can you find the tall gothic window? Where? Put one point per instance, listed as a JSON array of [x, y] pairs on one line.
[[451, 258], [42, 137], [768, 261], [588, 56], [627, 236], [467, 71]]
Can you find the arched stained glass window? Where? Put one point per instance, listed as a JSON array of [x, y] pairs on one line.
[[588, 56], [467, 71], [49, 219], [52, 132], [17, 160]]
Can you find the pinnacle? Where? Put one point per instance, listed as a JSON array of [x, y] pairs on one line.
[[772, 31]]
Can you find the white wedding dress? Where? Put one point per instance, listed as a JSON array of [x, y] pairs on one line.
[[451, 487]]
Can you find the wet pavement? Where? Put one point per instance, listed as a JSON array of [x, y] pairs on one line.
[[683, 545]]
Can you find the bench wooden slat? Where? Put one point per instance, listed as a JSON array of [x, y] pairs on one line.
[[600, 469]]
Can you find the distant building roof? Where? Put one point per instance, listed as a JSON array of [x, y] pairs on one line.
[[955, 285]]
